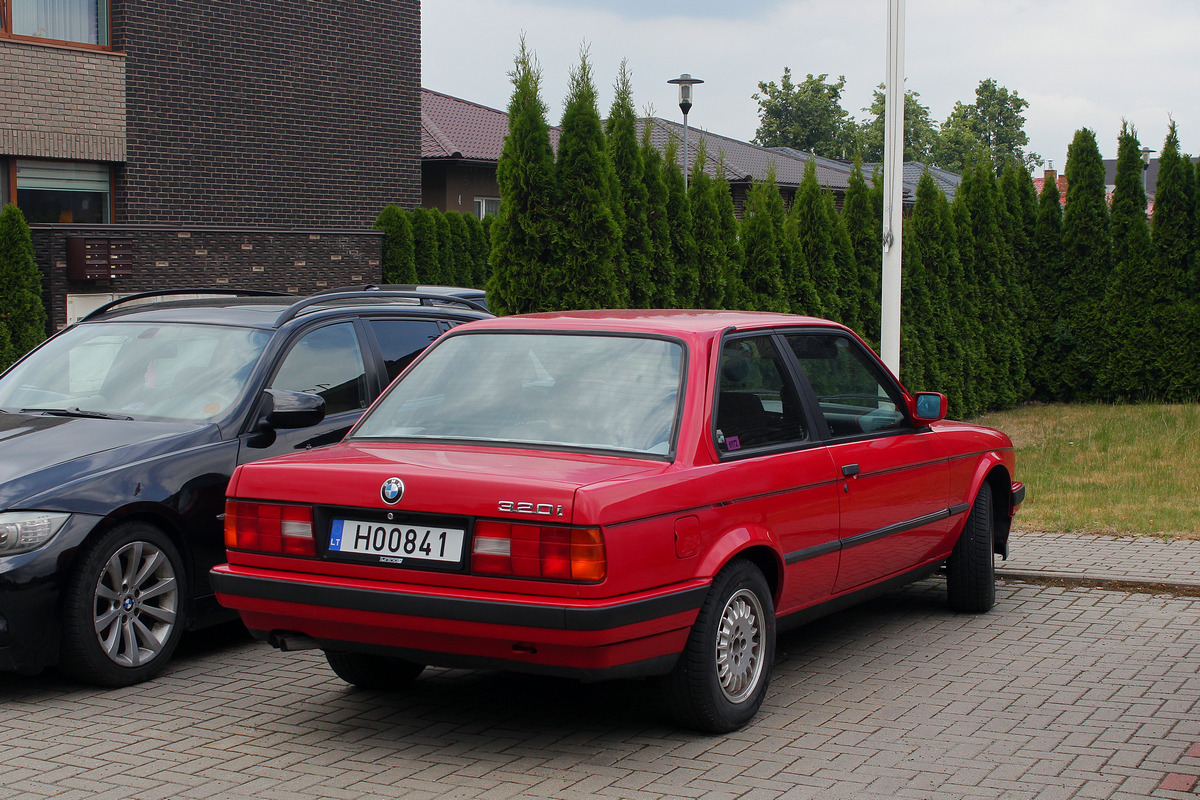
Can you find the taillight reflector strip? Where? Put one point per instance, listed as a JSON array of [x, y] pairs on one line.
[[538, 551], [269, 528]]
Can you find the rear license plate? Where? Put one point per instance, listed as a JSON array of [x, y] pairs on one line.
[[396, 543]]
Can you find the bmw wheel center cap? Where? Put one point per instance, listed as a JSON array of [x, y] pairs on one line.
[[392, 491]]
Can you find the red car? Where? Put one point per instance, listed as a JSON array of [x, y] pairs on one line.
[[610, 494]]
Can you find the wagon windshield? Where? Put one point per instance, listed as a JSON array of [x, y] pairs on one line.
[[587, 391]]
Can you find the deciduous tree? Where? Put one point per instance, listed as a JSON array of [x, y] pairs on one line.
[[920, 131], [994, 122], [807, 116]]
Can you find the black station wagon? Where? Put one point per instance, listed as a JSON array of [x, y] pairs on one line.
[[119, 434]]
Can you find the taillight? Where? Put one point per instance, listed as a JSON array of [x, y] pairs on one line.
[[538, 551], [269, 528]]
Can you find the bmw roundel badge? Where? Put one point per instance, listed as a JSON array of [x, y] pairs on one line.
[[392, 491]]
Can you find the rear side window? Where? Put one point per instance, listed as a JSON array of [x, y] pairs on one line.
[[402, 340], [757, 404], [852, 395], [327, 362]]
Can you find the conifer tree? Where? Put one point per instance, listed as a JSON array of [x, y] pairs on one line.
[[478, 246], [712, 260], [815, 241], [398, 264], [7, 353], [964, 287], [797, 273], [1174, 221], [914, 315], [1173, 232], [445, 268], [1134, 298], [521, 235], [736, 293], [1087, 253], [863, 226], [462, 260], [1193, 284], [953, 351], [1020, 200], [762, 228], [426, 246], [638, 278], [658, 226], [925, 298], [849, 290], [684, 250], [1046, 270], [584, 274], [1004, 365], [22, 313]]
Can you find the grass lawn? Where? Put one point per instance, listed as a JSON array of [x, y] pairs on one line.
[[1127, 469]]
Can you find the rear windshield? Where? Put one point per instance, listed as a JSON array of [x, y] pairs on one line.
[[587, 391]]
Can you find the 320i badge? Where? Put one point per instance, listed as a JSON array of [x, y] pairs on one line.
[[609, 494]]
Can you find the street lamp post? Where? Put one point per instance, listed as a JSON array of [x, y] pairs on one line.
[[685, 82], [1146, 151]]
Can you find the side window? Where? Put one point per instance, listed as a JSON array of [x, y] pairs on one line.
[[327, 362], [852, 394], [757, 405], [402, 340]]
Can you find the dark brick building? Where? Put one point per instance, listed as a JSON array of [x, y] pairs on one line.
[[271, 132]]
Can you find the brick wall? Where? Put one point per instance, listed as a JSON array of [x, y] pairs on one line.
[[287, 113], [297, 261], [61, 102]]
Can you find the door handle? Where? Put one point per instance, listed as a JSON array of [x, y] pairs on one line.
[[850, 470]]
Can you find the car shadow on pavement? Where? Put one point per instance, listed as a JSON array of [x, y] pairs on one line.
[[495, 703]]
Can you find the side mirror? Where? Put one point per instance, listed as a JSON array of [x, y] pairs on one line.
[[928, 407], [285, 409], [280, 408]]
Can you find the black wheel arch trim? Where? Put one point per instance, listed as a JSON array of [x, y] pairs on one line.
[[459, 609]]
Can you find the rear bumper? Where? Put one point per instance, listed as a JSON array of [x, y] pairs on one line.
[[591, 640]]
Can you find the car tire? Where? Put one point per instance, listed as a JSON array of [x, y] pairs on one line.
[[124, 608], [722, 674], [367, 671], [971, 568]]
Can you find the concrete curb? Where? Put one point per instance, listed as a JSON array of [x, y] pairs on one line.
[[1098, 578]]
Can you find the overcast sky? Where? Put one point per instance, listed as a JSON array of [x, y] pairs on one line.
[[1078, 63]]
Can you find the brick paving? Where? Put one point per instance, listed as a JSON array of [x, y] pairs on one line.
[[1128, 559], [1060, 692]]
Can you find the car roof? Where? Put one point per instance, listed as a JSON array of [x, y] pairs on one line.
[[269, 311], [683, 322]]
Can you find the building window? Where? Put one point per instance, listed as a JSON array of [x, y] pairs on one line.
[[486, 205], [84, 21], [63, 191]]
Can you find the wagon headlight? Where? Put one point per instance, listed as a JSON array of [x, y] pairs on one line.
[[22, 531]]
